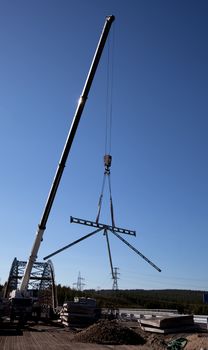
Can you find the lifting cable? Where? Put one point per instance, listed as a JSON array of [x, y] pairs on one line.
[[108, 131], [109, 94]]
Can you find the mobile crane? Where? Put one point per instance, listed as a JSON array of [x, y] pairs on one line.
[[20, 301]]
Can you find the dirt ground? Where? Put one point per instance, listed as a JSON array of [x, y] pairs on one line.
[[125, 337], [198, 341], [39, 337]]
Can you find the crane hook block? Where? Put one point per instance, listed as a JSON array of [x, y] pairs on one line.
[[107, 161]]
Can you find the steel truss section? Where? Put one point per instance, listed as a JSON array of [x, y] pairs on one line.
[[41, 284], [102, 226]]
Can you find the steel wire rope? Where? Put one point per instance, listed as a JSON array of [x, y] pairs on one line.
[[108, 123], [107, 148], [109, 93]]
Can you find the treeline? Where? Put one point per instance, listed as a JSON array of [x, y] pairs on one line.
[[185, 301]]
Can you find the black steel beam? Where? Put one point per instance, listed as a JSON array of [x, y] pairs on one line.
[[102, 226], [109, 252], [71, 244], [137, 251]]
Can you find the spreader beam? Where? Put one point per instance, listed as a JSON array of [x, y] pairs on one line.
[[102, 226]]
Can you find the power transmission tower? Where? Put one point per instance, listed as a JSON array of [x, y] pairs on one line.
[[79, 284], [115, 278]]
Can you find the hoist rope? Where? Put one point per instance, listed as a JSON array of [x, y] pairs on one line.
[[107, 101], [108, 127], [109, 94]]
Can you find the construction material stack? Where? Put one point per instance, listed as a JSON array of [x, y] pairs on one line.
[[80, 313], [168, 324]]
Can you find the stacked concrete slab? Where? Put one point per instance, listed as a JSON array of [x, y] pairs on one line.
[[170, 324], [80, 313]]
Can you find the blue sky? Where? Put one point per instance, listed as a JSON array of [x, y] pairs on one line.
[[159, 171]]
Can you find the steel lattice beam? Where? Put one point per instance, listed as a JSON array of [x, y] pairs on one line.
[[102, 226]]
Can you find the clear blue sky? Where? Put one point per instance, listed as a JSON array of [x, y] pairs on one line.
[[159, 171]]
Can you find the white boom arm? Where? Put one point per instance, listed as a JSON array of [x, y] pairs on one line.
[[42, 225]]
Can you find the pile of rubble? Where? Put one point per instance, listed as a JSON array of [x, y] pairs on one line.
[[109, 332]]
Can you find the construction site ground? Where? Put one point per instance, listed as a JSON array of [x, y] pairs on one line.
[[52, 337]]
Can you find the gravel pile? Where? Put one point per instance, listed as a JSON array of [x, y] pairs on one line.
[[109, 332]]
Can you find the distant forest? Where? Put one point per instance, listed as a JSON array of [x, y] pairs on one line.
[[185, 301]]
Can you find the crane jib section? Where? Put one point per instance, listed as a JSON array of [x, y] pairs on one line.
[[52, 193]]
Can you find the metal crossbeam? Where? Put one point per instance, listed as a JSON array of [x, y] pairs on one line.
[[137, 251], [71, 244], [102, 226]]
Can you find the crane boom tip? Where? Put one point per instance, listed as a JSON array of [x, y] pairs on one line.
[[110, 18]]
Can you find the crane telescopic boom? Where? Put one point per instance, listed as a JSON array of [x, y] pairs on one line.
[[51, 196]]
